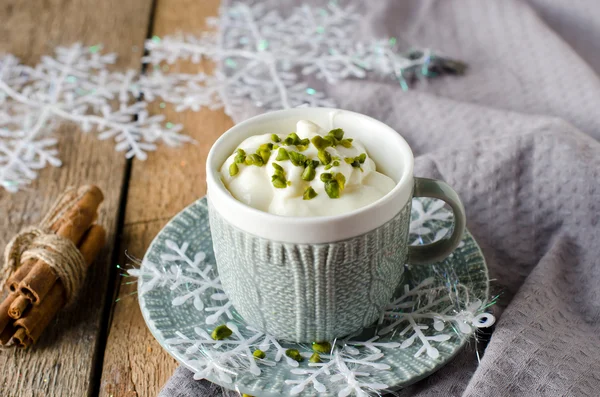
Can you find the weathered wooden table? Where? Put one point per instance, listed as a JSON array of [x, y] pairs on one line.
[[103, 346]]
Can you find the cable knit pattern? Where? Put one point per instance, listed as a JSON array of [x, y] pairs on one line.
[[517, 137], [311, 292]]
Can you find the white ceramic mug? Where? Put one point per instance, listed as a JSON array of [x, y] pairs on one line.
[[318, 278]]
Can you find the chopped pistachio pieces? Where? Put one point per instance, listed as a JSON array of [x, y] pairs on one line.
[[240, 157], [315, 358], [347, 143], [334, 184], [298, 159], [324, 156], [321, 347], [282, 155], [259, 354], [309, 173], [254, 159], [309, 193], [332, 188], [233, 169], [319, 142], [278, 179], [221, 332], [341, 180], [292, 139], [294, 355], [337, 133], [357, 161], [326, 176], [265, 154]]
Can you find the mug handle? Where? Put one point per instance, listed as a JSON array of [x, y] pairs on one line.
[[425, 187]]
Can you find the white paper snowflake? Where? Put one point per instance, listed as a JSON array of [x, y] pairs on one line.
[[74, 86], [428, 301], [260, 55], [269, 58]]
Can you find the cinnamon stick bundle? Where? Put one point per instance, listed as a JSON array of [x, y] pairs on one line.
[[51, 269]]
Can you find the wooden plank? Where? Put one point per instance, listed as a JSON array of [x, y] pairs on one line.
[[63, 361], [134, 363]]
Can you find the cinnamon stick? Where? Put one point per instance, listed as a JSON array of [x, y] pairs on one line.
[[37, 319], [7, 334], [18, 307], [20, 338], [77, 221], [22, 271], [4, 317]]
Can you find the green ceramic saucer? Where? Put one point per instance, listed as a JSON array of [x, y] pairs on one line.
[[436, 310]]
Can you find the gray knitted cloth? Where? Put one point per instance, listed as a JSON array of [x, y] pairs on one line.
[[517, 137]]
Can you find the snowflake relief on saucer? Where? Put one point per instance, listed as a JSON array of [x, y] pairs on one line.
[[434, 313]]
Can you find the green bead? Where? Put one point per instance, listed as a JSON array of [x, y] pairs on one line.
[[294, 355], [221, 332], [321, 347], [259, 354]]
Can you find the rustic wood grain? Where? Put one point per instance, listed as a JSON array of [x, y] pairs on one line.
[[63, 363], [134, 363]]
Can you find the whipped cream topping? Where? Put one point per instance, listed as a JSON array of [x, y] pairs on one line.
[[287, 189]]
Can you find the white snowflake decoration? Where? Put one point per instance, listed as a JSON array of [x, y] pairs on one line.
[[267, 57], [74, 86], [430, 302], [261, 55]]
